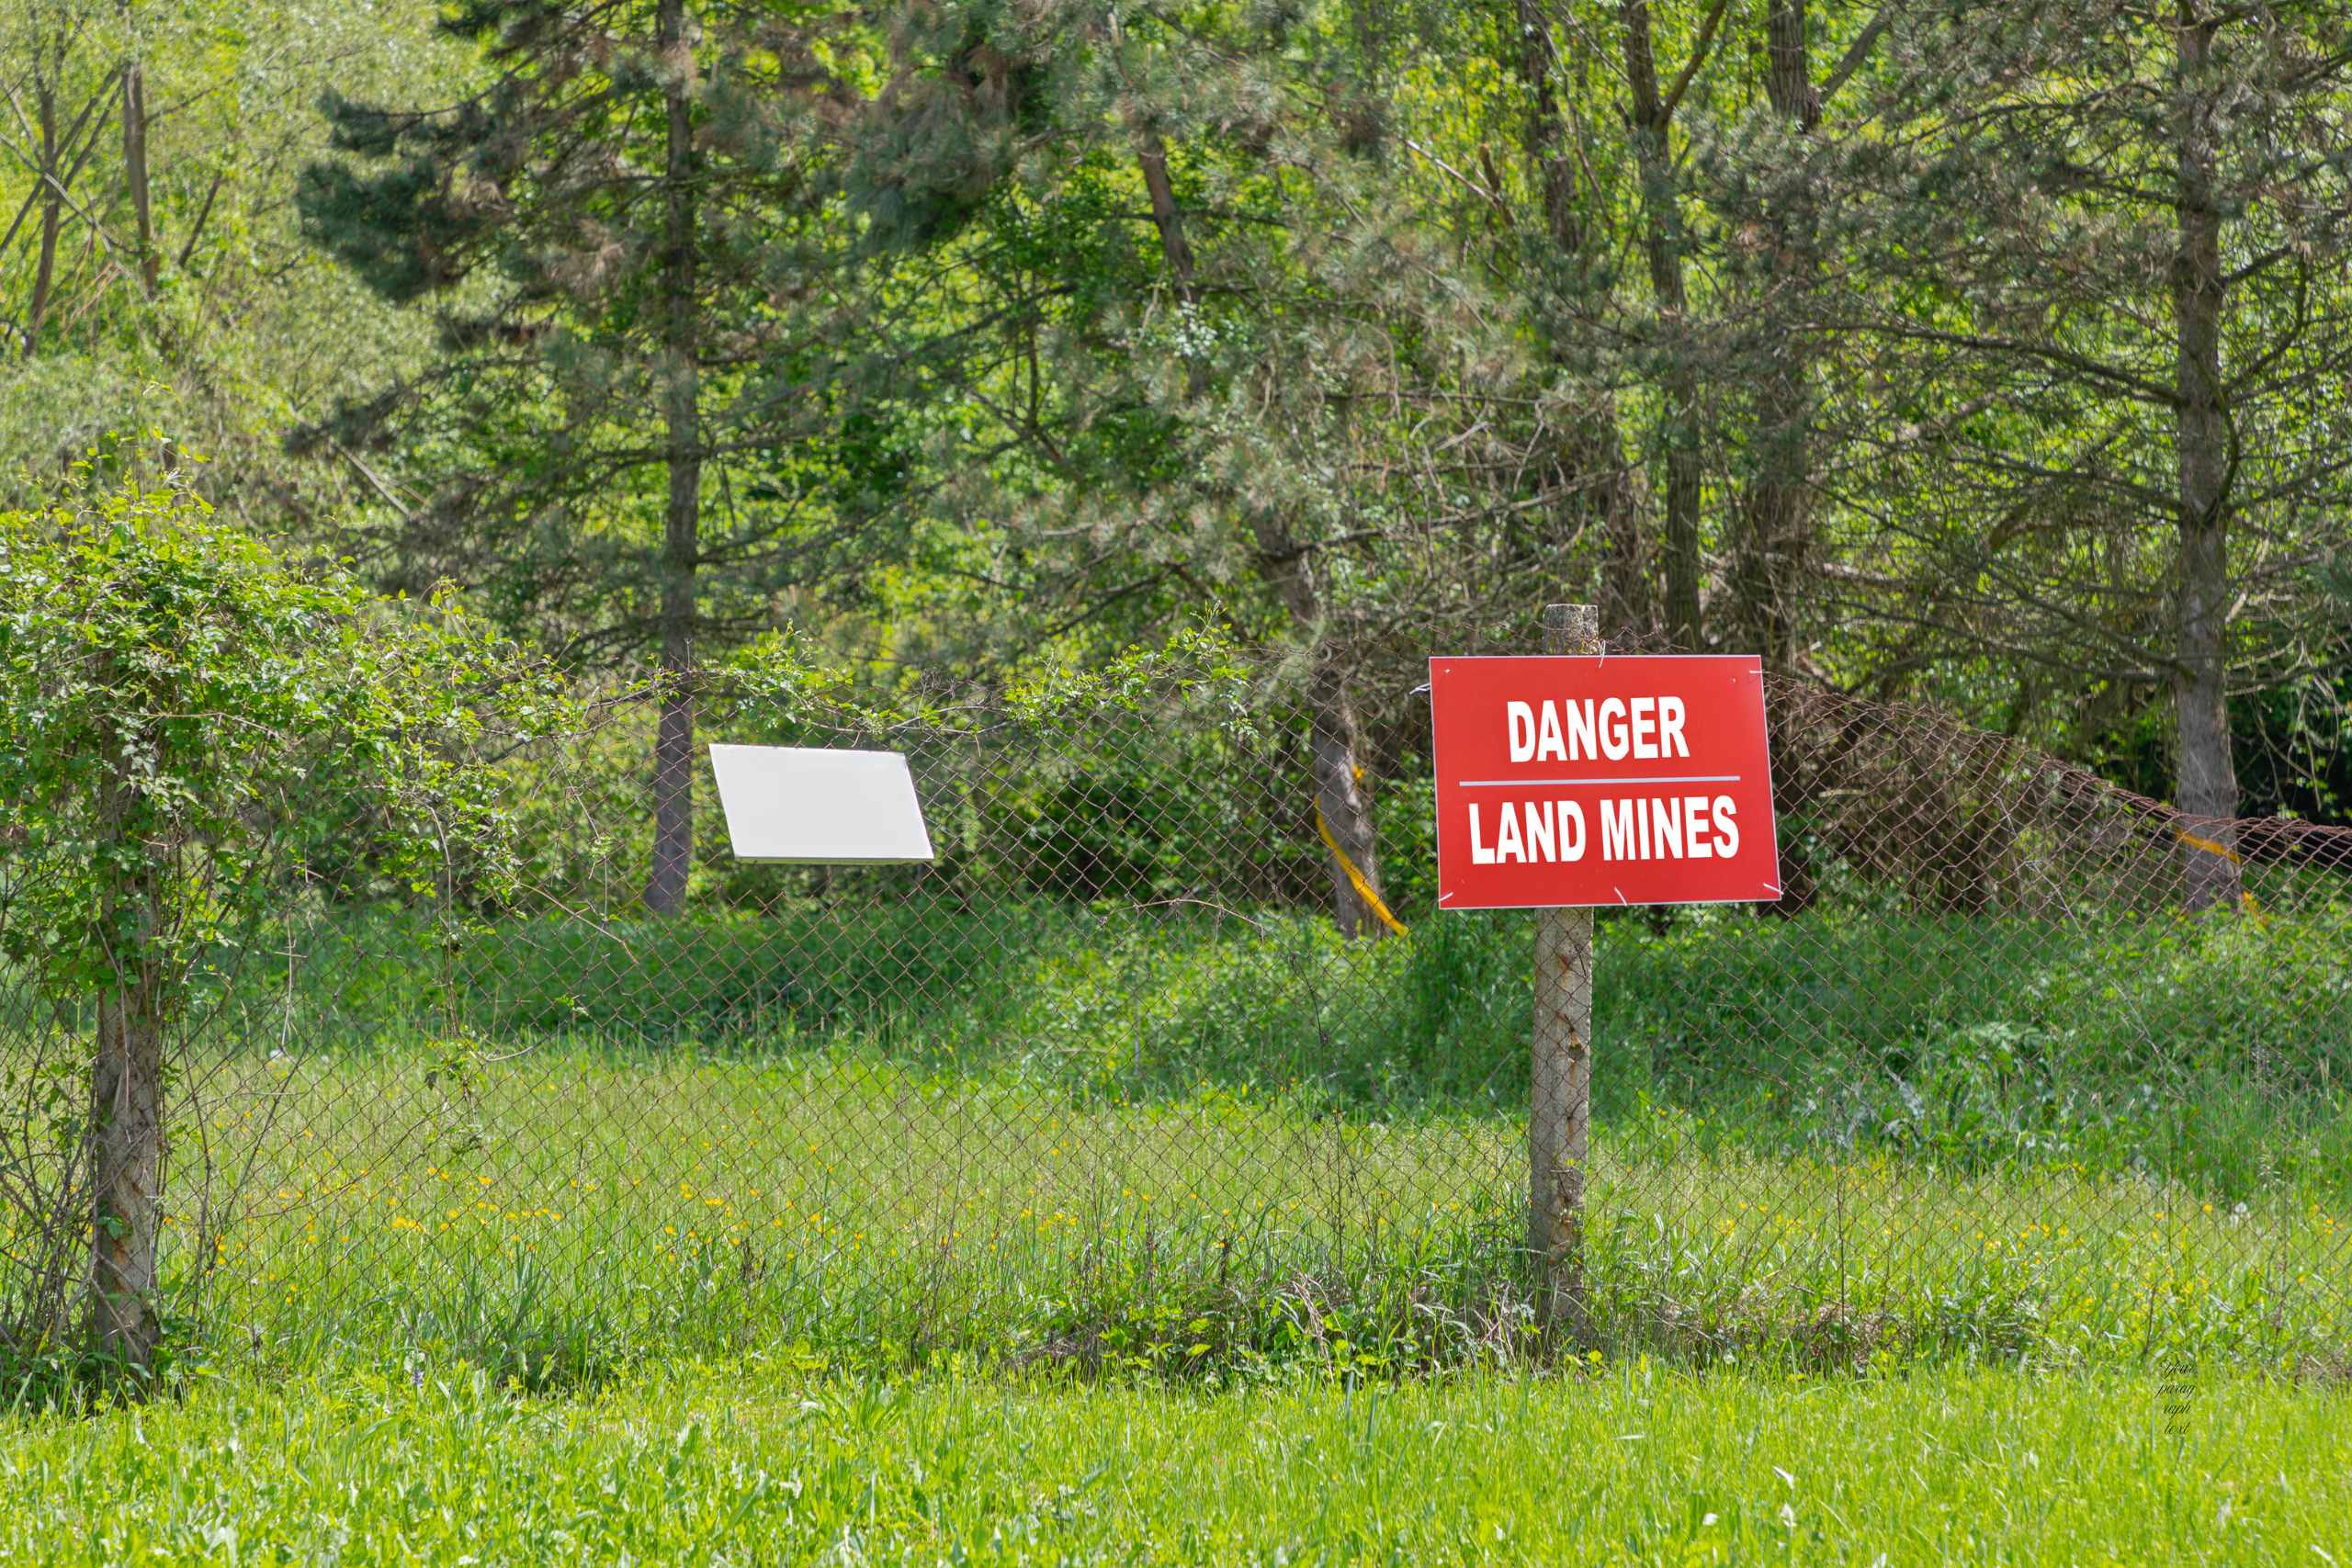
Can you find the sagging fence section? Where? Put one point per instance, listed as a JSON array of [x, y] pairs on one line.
[[1112, 1081]]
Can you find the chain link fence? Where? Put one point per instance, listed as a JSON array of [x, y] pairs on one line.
[[1110, 1084]]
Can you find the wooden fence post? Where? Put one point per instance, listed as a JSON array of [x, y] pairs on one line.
[[1559, 1108]]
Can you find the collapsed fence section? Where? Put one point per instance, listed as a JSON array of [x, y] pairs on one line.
[[1109, 1083]]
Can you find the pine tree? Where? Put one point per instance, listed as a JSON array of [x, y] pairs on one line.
[[2114, 312], [1170, 433], [1221, 362], [616, 235], [1566, 278]]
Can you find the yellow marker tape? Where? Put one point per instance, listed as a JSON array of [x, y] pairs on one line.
[[1355, 878], [2214, 847], [2209, 846]]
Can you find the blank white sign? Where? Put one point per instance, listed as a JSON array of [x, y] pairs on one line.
[[814, 805]]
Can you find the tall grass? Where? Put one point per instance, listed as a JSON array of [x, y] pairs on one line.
[[1199, 1145], [2213, 1050]]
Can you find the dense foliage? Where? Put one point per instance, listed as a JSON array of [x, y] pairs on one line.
[[195, 737], [1994, 357]]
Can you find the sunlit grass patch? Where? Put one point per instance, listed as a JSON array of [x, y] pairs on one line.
[[581, 1209], [769, 1458]]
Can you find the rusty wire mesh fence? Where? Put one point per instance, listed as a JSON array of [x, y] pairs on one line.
[[1108, 1083]]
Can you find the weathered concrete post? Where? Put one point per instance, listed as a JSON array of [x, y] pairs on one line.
[[1559, 1111]]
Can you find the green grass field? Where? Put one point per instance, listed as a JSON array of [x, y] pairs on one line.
[[1070, 1237], [578, 1212], [758, 1460], [1205, 1149]]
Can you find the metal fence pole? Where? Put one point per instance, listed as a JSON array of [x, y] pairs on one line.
[[1559, 1111]]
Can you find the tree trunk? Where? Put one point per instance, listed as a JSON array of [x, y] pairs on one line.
[[1337, 740], [1151, 156], [673, 745], [1652, 117], [1346, 809], [1338, 743], [52, 215], [1773, 523], [1591, 449], [134, 171], [2207, 787], [125, 1166], [125, 1155]]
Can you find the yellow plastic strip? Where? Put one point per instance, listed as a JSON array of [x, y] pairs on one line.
[[1355, 878], [2209, 846], [2213, 847]]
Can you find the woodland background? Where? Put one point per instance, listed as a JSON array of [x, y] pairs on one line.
[[1988, 355]]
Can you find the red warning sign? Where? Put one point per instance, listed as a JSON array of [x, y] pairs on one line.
[[1569, 780]]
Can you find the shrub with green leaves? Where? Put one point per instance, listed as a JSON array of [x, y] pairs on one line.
[[196, 734]]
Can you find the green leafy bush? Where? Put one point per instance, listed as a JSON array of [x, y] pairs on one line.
[[196, 736]]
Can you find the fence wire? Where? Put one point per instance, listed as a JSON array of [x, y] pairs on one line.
[[1108, 1083]]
